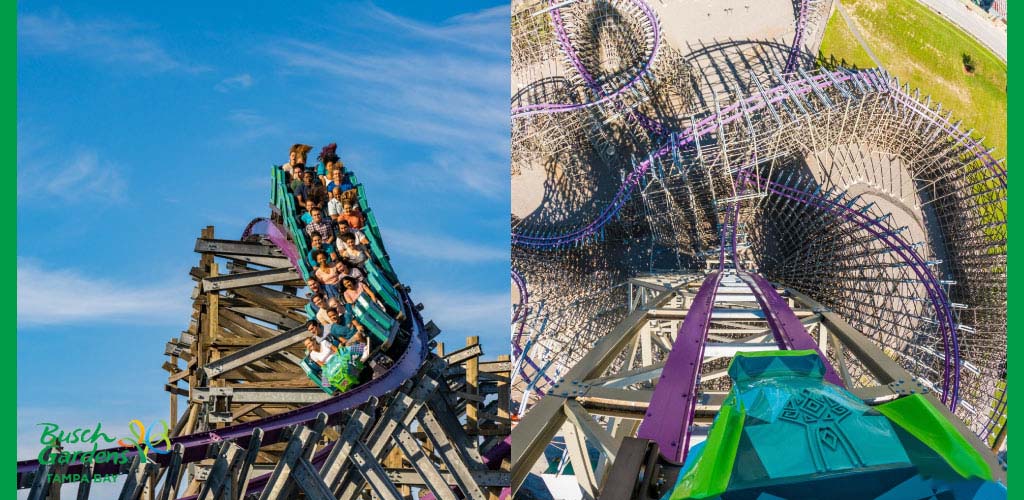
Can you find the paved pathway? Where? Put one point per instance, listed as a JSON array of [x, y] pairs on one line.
[[970, 20], [856, 34]]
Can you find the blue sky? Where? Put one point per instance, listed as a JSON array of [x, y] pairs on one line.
[[137, 126]]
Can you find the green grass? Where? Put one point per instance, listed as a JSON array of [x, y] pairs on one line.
[[925, 50]]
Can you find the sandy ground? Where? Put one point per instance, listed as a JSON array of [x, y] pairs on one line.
[[687, 23], [876, 176], [527, 190]]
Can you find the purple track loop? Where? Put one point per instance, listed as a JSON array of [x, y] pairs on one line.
[[277, 235], [789, 332], [798, 36], [950, 395], [570, 52], [709, 124], [249, 229], [196, 445], [672, 406], [774, 95], [705, 126], [792, 60]]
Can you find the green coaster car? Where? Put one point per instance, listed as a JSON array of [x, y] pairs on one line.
[[340, 373]]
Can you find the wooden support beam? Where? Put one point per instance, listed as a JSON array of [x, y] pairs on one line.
[[138, 475], [466, 353], [255, 352], [174, 471], [245, 471], [451, 448], [298, 448], [422, 463], [275, 318], [219, 480], [270, 277], [472, 384], [234, 247]]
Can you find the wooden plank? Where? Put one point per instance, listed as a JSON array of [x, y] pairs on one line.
[[270, 298], [449, 443], [401, 409], [271, 262], [270, 277], [594, 433], [472, 383], [244, 410], [242, 326], [255, 352], [471, 351], [500, 366], [421, 462], [373, 473], [234, 247], [136, 480], [219, 482], [285, 321], [491, 478], [86, 482], [174, 471], [245, 471], [278, 484], [310, 483], [337, 460], [536, 430]]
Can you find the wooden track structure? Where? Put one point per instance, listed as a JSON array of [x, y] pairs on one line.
[[238, 363]]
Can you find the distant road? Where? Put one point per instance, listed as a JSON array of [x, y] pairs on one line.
[[969, 20]]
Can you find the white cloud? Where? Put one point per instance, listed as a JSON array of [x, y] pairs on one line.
[[78, 176], [474, 30], [249, 126], [119, 44], [52, 296], [440, 247], [238, 82], [466, 310], [443, 86]]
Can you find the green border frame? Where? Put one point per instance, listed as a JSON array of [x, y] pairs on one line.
[[9, 356], [1013, 277]]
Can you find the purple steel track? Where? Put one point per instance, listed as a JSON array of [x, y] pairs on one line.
[[652, 20], [672, 406], [196, 445], [734, 112], [798, 36], [492, 459], [789, 332], [947, 326], [276, 234], [577, 63], [705, 126]]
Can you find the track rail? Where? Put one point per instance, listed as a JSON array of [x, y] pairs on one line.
[[196, 445], [572, 55], [674, 402]]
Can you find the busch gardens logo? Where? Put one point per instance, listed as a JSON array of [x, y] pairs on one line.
[[143, 439]]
